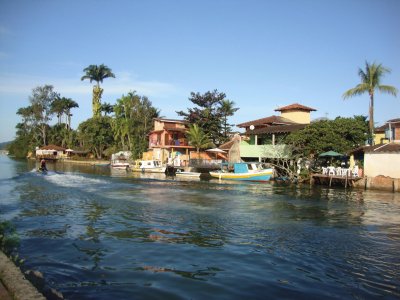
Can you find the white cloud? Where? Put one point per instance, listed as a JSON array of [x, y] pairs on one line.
[[124, 83]]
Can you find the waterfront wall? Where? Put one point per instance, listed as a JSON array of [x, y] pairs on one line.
[[379, 183], [14, 281]]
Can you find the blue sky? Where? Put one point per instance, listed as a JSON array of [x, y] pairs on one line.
[[262, 54]]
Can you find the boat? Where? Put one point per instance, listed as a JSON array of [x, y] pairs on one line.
[[180, 173], [120, 160], [119, 164], [243, 171], [152, 166]]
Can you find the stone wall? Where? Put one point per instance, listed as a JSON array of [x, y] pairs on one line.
[[380, 183]]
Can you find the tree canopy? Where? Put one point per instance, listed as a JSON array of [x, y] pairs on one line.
[[340, 135], [210, 113]]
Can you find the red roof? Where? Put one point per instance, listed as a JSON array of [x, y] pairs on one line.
[[272, 120], [295, 106]]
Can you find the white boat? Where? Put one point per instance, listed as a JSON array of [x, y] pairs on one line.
[[180, 173], [120, 160], [243, 171], [121, 164], [152, 166]]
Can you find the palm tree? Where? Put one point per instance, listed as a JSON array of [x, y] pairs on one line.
[[98, 74], [371, 80], [197, 138], [69, 104]]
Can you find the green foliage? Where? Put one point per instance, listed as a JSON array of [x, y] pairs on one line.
[[210, 113], [133, 122], [98, 74], [340, 135], [9, 239], [198, 138], [96, 135], [370, 81]]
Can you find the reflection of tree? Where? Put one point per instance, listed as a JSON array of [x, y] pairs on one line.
[[94, 213]]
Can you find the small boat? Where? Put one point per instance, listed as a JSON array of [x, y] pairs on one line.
[[152, 166], [120, 164], [243, 171], [120, 160], [180, 173]]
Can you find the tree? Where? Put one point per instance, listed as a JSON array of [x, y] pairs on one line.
[[198, 138], [370, 81], [209, 114], [41, 100], [227, 109], [340, 135], [98, 74], [106, 108], [69, 104], [62, 106], [133, 121], [96, 135]]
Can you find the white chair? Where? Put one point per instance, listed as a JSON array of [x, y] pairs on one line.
[[324, 171], [331, 170]]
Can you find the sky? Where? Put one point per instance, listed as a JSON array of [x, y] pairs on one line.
[[262, 54]]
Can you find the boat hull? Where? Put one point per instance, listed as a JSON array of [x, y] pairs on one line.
[[258, 176], [150, 170], [188, 174]]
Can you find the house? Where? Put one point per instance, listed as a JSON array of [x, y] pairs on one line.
[[388, 132], [167, 140], [382, 160], [263, 135], [51, 152]]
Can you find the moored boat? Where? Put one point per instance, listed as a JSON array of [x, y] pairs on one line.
[[152, 166], [187, 174], [243, 171]]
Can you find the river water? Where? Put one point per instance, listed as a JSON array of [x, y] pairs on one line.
[[97, 234]]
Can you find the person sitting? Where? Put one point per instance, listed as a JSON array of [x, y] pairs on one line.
[[43, 165]]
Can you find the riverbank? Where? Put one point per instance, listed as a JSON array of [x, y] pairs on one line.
[[14, 285]]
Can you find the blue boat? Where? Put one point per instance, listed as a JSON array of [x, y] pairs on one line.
[[243, 171]]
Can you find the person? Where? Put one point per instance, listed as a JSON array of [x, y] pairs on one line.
[[43, 165]]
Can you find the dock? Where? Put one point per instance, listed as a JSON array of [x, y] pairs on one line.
[[334, 180]]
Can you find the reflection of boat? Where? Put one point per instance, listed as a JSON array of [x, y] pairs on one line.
[[180, 173], [243, 171], [153, 166]]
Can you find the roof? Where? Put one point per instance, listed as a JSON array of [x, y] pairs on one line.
[[267, 121], [277, 129], [393, 121], [295, 106], [170, 120], [52, 147], [380, 148], [383, 148]]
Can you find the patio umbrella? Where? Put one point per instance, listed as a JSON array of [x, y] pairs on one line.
[[216, 151], [330, 154]]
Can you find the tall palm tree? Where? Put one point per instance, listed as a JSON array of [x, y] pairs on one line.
[[197, 138], [371, 80], [69, 104], [98, 74]]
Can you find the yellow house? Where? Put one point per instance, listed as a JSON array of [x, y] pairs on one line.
[[297, 113]]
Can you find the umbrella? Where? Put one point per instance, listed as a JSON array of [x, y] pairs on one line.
[[216, 151], [330, 154]]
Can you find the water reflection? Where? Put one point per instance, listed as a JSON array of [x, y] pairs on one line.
[[110, 237]]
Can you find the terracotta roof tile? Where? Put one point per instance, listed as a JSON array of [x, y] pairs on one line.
[[295, 106], [267, 121]]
